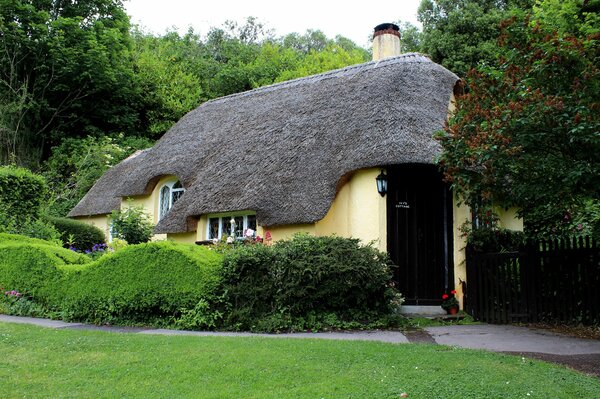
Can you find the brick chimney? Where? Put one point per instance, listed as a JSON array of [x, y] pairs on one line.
[[386, 41]]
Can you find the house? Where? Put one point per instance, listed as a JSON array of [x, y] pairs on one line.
[[304, 155]]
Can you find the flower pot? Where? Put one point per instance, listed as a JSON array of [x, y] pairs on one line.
[[452, 310]]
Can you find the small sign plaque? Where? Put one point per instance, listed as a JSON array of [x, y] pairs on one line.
[[402, 205]]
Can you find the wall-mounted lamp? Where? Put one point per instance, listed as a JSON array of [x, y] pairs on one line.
[[382, 183]]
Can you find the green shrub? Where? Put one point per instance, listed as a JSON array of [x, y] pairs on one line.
[[132, 225], [156, 282], [35, 228], [84, 235], [488, 239], [276, 286], [36, 268], [143, 283], [22, 193]]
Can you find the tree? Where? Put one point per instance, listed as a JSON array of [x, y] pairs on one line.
[[525, 134], [76, 164], [410, 37], [459, 34], [65, 70]]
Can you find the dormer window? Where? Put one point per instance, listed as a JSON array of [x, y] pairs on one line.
[[169, 194]]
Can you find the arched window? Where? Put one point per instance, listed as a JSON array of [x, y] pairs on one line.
[[169, 194]]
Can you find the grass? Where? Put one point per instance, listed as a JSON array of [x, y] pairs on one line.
[[40, 362]]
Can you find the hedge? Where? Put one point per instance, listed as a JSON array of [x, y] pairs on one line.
[[22, 193], [36, 267], [140, 283], [144, 282], [84, 235]]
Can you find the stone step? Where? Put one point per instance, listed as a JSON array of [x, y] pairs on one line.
[[411, 310]]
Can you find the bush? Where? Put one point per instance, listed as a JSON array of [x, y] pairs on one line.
[[143, 283], [154, 282], [494, 239], [274, 287], [22, 193], [35, 228], [132, 225], [84, 235], [38, 269]]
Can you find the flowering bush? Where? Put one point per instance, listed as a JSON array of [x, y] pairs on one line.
[[449, 300], [14, 303], [97, 250]]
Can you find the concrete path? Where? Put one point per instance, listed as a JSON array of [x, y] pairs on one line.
[[395, 337], [497, 338], [507, 338]]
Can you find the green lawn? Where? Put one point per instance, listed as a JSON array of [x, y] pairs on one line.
[[37, 362]]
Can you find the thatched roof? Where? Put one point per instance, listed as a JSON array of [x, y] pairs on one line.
[[281, 150]]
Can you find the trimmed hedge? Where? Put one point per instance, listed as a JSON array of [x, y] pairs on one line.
[[22, 193], [140, 283], [36, 267], [85, 236], [144, 282], [269, 286]]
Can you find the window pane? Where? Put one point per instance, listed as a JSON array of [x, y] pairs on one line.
[[176, 194], [213, 228], [226, 226], [165, 194], [239, 226], [252, 222], [177, 185]]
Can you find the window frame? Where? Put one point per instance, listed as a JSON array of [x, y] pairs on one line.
[[172, 191], [227, 217]]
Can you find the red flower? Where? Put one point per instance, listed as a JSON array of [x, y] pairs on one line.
[[445, 296], [453, 292]]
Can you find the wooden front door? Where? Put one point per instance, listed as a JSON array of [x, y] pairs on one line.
[[420, 232]]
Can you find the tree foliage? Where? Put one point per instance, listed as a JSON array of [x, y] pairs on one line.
[[65, 71], [76, 164], [459, 34], [525, 134]]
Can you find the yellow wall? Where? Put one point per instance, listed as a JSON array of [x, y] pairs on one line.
[[508, 219], [358, 211], [99, 221], [149, 202], [186, 238], [286, 232], [460, 214]]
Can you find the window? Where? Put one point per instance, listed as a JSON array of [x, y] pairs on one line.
[[219, 226], [168, 196]]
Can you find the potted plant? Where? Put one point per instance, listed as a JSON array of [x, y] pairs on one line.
[[450, 303]]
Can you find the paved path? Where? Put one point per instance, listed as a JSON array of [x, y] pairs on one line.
[[497, 338], [382, 336], [507, 338]]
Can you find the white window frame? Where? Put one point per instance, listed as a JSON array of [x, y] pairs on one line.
[[172, 192], [225, 218]]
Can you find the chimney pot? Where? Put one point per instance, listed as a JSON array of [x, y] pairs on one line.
[[386, 41]]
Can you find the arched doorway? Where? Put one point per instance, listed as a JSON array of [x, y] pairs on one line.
[[419, 206]]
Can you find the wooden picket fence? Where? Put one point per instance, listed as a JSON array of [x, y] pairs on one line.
[[553, 281]]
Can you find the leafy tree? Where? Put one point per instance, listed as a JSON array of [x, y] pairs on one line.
[[76, 164], [526, 132], [166, 73], [459, 34], [410, 37], [65, 71]]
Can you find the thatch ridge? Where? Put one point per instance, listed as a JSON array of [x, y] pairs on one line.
[[281, 149]]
